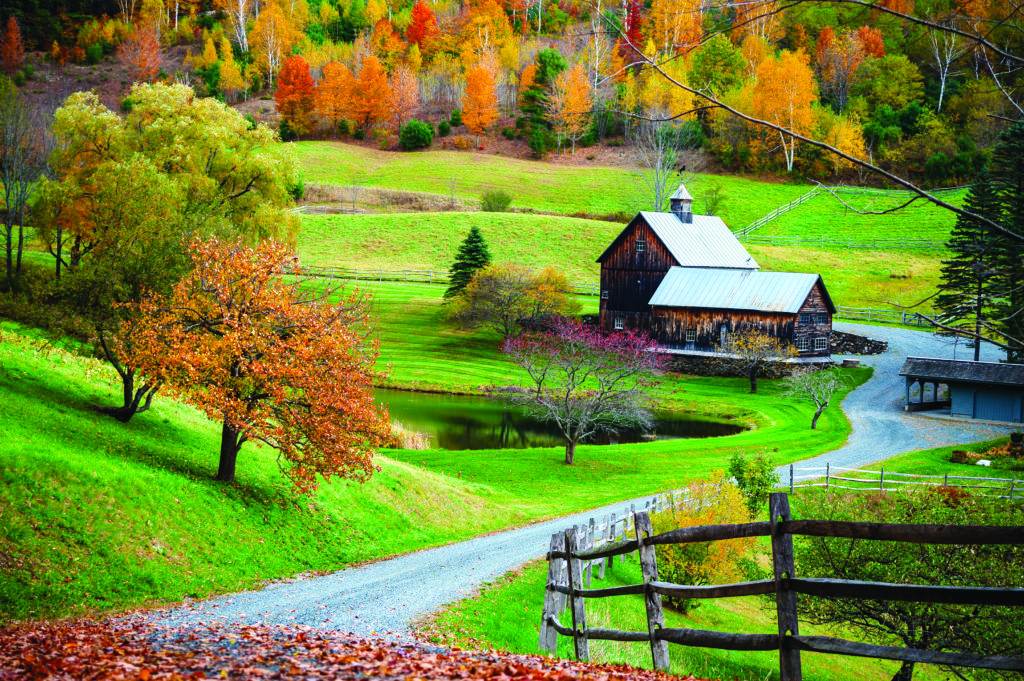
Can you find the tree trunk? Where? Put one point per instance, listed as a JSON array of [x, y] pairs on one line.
[[570, 452], [817, 415], [905, 673], [753, 379], [230, 442]]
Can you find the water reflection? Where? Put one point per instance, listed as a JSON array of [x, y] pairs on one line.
[[459, 422]]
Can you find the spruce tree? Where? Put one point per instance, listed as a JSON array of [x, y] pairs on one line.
[[1007, 173], [471, 257], [970, 275]]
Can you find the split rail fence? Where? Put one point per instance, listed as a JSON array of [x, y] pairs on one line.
[[569, 555], [860, 480]]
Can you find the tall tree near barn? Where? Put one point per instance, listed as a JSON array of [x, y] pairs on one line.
[[1007, 174], [755, 350], [969, 282], [570, 104], [472, 256], [268, 360]]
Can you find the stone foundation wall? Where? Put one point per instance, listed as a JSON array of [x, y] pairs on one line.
[[852, 344], [701, 365]]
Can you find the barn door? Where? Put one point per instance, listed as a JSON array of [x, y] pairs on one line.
[[723, 334], [994, 406]]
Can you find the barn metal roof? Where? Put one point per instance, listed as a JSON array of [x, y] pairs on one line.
[[993, 373], [705, 242], [734, 289]]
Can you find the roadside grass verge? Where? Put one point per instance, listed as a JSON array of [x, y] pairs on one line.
[[103, 516]]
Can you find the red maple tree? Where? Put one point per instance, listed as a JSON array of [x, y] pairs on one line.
[[269, 360], [295, 92], [423, 27], [12, 50], [141, 55]]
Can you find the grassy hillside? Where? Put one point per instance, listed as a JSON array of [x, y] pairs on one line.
[[597, 190], [860, 278], [100, 515]]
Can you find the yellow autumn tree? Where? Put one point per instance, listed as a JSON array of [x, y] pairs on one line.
[[657, 92], [843, 133], [480, 103], [784, 93], [272, 37], [570, 104], [675, 25], [231, 80]]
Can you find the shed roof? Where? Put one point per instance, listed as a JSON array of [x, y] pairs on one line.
[[681, 194], [704, 242], [734, 289], [993, 373]]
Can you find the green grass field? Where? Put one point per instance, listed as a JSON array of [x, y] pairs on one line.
[[103, 516]]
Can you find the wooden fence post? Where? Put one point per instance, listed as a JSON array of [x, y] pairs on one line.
[[554, 602], [652, 600], [589, 544], [609, 534], [576, 605], [785, 600], [827, 470], [881, 478], [792, 484]]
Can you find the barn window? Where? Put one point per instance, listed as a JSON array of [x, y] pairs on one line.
[[691, 335], [822, 317], [604, 294], [806, 318], [641, 245], [821, 343], [803, 344], [620, 323]]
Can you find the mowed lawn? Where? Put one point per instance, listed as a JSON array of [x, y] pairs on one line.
[[428, 241], [102, 516]]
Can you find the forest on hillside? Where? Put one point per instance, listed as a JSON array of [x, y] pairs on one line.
[[918, 87]]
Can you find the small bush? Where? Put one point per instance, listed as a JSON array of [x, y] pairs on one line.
[[415, 134], [538, 142], [94, 53], [456, 118], [756, 478], [508, 133], [19, 78], [495, 201], [29, 71], [126, 105], [462, 142], [359, 134], [344, 128], [297, 189], [444, 128], [251, 120], [715, 502], [286, 131]]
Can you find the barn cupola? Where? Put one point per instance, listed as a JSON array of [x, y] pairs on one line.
[[682, 204]]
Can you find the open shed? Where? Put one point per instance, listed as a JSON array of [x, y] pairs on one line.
[[991, 391]]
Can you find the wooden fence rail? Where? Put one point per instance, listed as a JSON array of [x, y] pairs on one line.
[[570, 551], [862, 480]]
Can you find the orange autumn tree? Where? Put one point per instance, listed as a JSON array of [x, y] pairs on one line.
[[12, 50], [480, 103], [405, 95], [294, 94], [268, 360], [675, 25], [371, 95], [783, 94], [570, 104], [333, 94], [423, 27], [141, 55]]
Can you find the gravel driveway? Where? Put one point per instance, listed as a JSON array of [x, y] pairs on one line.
[[387, 596]]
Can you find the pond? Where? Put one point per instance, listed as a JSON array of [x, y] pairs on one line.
[[459, 422]]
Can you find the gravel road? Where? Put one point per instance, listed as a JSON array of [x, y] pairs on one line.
[[389, 595]]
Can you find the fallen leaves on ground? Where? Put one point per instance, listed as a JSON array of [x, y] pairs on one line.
[[136, 648]]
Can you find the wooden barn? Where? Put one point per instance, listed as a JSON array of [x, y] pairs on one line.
[[688, 281]]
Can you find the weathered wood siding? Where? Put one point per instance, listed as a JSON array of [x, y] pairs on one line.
[[814, 321], [629, 277], [671, 324]]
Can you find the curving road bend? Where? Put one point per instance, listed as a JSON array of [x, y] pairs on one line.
[[386, 597]]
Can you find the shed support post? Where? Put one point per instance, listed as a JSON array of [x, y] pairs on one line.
[[652, 600], [785, 599], [554, 602], [573, 543]]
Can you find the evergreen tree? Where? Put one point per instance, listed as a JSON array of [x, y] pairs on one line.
[[1007, 174], [970, 275], [472, 256]]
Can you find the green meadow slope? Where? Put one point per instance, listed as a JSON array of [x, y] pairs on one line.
[[102, 516]]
